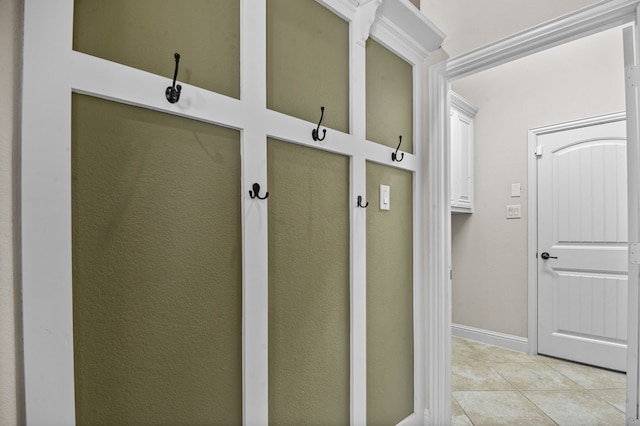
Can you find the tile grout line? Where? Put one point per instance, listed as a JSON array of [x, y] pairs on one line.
[[524, 396], [463, 410], [478, 349], [580, 387], [590, 391]]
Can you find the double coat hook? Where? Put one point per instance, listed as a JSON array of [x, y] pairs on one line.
[[315, 133], [173, 92], [256, 191], [395, 156]]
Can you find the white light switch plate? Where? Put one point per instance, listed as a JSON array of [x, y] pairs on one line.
[[515, 189], [385, 197], [513, 211]]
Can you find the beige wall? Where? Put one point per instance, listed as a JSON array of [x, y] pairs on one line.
[[578, 80], [10, 42]]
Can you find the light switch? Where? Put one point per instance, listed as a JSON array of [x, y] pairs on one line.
[[385, 197], [515, 189], [513, 211]]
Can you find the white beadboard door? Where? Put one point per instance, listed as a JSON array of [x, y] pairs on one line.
[[582, 226]]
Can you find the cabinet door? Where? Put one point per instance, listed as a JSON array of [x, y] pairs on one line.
[[464, 160], [461, 140], [453, 186]]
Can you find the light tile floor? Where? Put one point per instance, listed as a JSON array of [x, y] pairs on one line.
[[495, 386]]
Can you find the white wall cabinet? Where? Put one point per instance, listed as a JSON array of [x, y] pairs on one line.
[[462, 115]]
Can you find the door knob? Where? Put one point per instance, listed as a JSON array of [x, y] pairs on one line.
[[546, 256]]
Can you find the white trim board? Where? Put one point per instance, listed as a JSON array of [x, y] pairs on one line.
[[494, 338], [584, 22]]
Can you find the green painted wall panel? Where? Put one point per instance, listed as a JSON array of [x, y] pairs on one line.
[[157, 260], [308, 62], [389, 297], [389, 97], [145, 34], [308, 286]]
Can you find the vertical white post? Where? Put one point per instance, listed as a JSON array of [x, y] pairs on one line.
[[633, 159], [419, 279], [46, 212], [439, 249], [357, 55], [255, 266]]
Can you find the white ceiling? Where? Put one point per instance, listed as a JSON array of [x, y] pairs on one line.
[[469, 24]]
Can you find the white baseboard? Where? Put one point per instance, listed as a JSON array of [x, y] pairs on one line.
[[507, 341]]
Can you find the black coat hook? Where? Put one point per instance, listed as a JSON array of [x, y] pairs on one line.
[[395, 156], [315, 133], [256, 191], [173, 92], [360, 202]]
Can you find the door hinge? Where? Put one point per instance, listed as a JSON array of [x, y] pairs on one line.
[[538, 151], [634, 253], [631, 76]]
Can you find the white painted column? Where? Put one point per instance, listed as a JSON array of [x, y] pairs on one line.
[[358, 229]]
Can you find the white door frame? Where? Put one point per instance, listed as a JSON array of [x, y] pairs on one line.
[[532, 227], [584, 22]]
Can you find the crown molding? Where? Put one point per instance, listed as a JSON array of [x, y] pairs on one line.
[[463, 104], [406, 22], [595, 18]]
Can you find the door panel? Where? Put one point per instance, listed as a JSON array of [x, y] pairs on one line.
[[583, 302], [582, 210], [157, 258], [592, 198]]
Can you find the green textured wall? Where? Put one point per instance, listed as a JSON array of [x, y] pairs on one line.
[[308, 286], [308, 62], [145, 34], [389, 97], [157, 262], [389, 297], [389, 103]]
